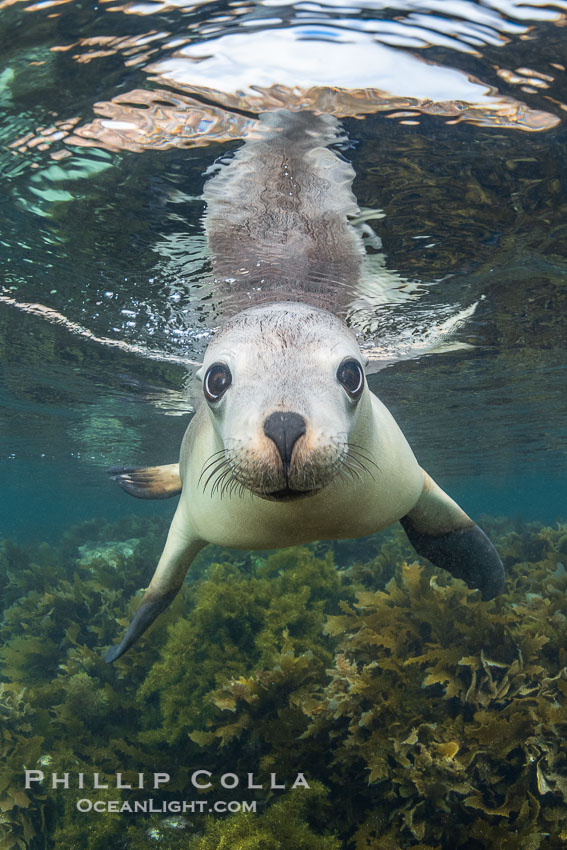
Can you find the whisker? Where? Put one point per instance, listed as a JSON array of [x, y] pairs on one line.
[[361, 459], [356, 468], [238, 486], [210, 461], [230, 486], [360, 450], [230, 480], [361, 462], [217, 469], [357, 460], [353, 471], [215, 454], [218, 482], [353, 459], [345, 474]]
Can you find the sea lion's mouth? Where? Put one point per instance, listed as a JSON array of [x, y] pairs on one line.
[[287, 494]]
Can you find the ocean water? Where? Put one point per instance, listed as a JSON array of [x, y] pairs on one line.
[[113, 114]]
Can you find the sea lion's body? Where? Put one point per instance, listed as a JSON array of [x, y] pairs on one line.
[[289, 444]]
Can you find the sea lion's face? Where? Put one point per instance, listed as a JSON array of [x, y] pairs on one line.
[[284, 385]]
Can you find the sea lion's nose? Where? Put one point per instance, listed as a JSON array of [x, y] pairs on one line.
[[284, 429]]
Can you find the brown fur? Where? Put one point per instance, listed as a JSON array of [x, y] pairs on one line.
[[277, 218]]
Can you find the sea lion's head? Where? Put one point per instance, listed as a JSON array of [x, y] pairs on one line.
[[284, 384]]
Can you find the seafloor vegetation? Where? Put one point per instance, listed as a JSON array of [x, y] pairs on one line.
[[421, 716]]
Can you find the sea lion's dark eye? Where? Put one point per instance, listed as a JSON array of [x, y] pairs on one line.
[[217, 380], [351, 376]]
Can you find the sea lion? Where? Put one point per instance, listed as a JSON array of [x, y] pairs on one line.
[[289, 444]]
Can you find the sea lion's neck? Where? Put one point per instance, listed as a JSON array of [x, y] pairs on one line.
[[276, 218]]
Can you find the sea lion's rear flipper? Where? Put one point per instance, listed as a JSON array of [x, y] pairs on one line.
[[439, 530], [148, 482], [180, 549]]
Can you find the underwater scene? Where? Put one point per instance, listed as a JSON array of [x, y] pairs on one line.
[[323, 694]]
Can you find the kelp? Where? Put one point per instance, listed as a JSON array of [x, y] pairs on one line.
[[21, 812], [284, 826], [70, 712], [453, 706], [421, 716], [445, 715], [239, 620], [298, 821], [97, 718]]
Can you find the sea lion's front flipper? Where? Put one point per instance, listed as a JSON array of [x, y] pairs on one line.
[[439, 530], [180, 549], [148, 482]]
